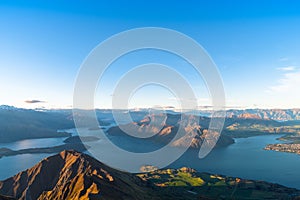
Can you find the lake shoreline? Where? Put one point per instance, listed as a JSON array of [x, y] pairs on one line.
[[236, 160]]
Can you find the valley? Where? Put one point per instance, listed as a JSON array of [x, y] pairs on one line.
[[79, 176], [242, 141]]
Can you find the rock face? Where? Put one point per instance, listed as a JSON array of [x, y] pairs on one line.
[[72, 175]]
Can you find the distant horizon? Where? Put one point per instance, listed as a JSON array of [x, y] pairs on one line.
[[147, 108]]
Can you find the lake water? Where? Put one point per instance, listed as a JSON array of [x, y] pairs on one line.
[[246, 158], [33, 143], [14, 164]]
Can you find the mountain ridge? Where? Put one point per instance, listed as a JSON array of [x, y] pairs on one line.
[[163, 129], [72, 175]]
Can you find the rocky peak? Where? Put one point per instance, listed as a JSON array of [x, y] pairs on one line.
[[71, 175]]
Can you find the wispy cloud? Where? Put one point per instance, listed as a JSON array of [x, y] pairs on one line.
[[34, 101], [288, 68], [289, 83]]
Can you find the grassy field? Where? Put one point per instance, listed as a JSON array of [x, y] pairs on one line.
[[190, 184]]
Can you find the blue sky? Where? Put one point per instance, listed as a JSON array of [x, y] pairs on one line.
[[256, 46]]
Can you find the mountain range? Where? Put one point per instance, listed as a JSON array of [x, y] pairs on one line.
[[164, 128], [271, 114], [274, 114]]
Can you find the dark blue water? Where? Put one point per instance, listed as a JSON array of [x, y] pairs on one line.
[[14, 164], [33, 143], [10, 166], [247, 159]]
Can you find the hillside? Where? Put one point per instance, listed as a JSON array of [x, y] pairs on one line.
[[72, 175], [163, 129], [18, 124]]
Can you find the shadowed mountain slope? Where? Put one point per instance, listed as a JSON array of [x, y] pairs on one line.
[[72, 175]]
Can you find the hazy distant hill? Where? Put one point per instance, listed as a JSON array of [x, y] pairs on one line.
[[17, 124], [73, 175], [274, 114]]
